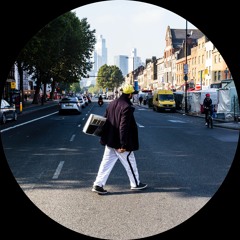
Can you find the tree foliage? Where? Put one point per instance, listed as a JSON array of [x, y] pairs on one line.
[[60, 52], [94, 89], [75, 87], [109, 77]]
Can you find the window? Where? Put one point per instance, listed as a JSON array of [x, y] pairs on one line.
[[219, 75], [215, 76]]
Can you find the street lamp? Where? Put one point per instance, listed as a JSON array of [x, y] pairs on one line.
[[186, 71], [133, 71], [201, 78]]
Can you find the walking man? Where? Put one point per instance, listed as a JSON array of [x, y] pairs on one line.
[[120, 138]]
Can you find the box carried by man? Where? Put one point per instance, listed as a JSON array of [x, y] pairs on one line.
[[94, 125]]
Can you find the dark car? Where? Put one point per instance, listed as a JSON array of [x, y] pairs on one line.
[[8, 112], [70, 105]]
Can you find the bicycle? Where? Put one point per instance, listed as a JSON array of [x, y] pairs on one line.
[[209, 119]]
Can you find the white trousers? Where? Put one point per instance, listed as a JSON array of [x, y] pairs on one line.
[[109, 159]]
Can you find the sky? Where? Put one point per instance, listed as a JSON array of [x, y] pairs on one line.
[[131, 24]]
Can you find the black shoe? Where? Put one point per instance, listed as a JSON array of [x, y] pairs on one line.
[[99, 190], [139, 186]]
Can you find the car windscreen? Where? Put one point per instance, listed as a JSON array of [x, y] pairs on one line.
[[68, 100], [4, 103], [165, 97]]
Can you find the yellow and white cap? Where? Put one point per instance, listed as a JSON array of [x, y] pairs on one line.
[[127, 89]]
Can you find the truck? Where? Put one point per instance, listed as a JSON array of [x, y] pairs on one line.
[[163, 101]]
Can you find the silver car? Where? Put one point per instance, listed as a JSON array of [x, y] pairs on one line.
[[82, 101], [69, 105], [8, 112]]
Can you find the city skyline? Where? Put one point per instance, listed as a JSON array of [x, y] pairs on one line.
[[130, 24]]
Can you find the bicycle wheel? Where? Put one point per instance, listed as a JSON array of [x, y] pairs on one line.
[[211, 122], [208, 122]]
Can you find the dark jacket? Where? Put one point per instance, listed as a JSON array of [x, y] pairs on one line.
[[207, 104], [120, 130]]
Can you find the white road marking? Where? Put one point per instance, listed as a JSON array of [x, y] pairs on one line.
[[21, 124], [58, 170], [72, 138], [139, 125], [179, 121]]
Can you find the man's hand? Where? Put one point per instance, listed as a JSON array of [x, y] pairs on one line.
[[121, 150]]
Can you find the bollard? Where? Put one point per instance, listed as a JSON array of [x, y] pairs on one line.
[[20, 107]]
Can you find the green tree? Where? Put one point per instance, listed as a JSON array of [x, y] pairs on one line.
[[75, 87], [109, 77], [94, 89], [59, 53]]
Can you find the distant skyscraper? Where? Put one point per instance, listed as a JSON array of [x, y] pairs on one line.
[[127, 63], [99, 58], [121, 61], [101, 52], [134, 61]]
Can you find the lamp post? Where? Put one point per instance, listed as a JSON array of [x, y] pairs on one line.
[[186, 71], [133, 72]]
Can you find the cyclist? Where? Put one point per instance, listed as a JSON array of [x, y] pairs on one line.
[[207, 104]]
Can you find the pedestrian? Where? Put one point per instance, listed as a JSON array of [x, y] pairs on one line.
[[207, 104], [120, 138], [140, 100]]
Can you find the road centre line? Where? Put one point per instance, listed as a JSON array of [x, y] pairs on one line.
[[72, 138], [139, 125], [21, 124], [58, 170], [177, 121]]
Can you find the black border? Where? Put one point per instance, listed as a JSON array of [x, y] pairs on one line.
[[20, 20]]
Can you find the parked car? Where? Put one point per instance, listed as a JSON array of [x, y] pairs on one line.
[[69, 105], [8, 112]]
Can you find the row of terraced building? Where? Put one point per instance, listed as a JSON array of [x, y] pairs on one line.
[[188, 52]]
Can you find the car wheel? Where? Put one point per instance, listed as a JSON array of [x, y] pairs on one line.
[[4, 119]]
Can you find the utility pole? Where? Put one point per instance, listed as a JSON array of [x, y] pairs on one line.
[[186, 70], [133, 72]]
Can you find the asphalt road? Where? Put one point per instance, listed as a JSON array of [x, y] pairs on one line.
[[182, 161]]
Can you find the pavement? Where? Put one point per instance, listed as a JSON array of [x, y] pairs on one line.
[[223, 123]]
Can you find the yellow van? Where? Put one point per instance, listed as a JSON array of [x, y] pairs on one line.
[[163, 100]]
